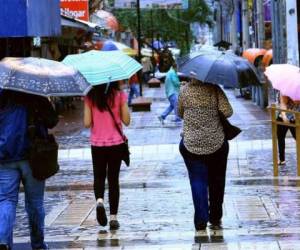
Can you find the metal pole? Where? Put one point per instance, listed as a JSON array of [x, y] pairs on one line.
[[152, 41], [245, 24], [221, 20], [233, 33], [260, 23], [138, 12]]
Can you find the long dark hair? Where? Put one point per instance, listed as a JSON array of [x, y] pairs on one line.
[[103, 95]]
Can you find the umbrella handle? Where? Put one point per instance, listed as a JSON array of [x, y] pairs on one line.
[[107, 85]]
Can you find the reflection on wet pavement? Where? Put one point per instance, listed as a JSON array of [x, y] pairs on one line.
[[260, 211]]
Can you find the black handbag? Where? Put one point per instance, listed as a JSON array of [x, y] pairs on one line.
[[230, 130], [43, 157], [125, 146]]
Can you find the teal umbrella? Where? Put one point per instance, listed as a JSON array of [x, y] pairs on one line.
[[100, 67]]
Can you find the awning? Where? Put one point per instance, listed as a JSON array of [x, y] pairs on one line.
[[30, 18], [80, 24]]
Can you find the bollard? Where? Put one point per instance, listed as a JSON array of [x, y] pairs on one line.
[[263, 95], [253, 90], [257, 95], [274, 140]]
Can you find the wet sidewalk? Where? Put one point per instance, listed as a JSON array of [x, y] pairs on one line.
[[156, 212]]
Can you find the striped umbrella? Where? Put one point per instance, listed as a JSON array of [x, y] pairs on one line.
[[100, 67]]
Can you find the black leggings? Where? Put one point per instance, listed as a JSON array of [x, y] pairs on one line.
[[107, 162], [281, 133]]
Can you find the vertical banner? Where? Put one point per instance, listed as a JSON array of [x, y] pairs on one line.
[[78, 9]]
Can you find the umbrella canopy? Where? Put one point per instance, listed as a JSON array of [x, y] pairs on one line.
[[110, 45], [286, 79], [104, 18], [41, 77], [253, 53], [222, 68], [268, 57], [100, 67], [157, 44], [223, 44]]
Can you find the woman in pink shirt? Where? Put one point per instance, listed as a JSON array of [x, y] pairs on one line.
[[106, 144]]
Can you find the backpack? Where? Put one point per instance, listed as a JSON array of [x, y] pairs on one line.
[[13, 133]]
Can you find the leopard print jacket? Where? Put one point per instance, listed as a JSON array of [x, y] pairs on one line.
[[199, 105]]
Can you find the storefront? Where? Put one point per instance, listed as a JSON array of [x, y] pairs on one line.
[[34, 18]]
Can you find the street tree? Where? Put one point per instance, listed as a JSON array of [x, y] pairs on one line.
[[167, 24]]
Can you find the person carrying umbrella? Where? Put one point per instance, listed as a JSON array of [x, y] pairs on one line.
[[204, 148], [14, 166], [25, 116], [106, 105], [285, 103]]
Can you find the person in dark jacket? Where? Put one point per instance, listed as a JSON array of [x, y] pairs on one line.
[[14, 167]]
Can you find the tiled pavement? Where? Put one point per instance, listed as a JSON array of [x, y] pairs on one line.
[[260, 211]]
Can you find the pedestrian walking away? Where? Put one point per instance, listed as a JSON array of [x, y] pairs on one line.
[[172, 85], [14, 165], [107, 144], [285, 103], [204, 148], [133, 88]]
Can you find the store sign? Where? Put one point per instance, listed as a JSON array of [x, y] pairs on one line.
[[152, 4], [76, 8]]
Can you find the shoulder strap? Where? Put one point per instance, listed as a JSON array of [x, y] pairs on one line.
[[115, 122]]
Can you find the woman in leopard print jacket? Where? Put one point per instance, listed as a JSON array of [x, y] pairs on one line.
[[204, 148]]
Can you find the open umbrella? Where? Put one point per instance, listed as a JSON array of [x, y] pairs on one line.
[[286, 79], [219, 67], [110, 45], [254, 53], [100, 67], [268, 58], [41, 77]]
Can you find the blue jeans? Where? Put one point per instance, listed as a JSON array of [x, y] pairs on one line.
[[11, 174], [133, 92], [207, 179], [173, 99]]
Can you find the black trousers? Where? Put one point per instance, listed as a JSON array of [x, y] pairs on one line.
[[281, 134], [107, 163]]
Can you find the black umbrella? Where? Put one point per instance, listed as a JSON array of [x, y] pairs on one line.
[[218, 67]]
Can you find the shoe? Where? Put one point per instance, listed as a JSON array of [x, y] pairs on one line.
[[216, 225], [101, 215], [281, 163], [200, 226], [114, 225], [4, 247], [162, 120], [177, 120]]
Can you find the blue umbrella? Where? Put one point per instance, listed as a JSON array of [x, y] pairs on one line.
[[100, 67], [41, 77], [109, 46], [158, 45]]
